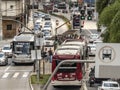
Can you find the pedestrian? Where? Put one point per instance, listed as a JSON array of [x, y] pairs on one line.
[[45, 55], [50, 53]]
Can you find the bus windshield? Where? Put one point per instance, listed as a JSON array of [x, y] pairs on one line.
[[22, 48]]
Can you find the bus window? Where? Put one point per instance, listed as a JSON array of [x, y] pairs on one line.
[[63, 68]]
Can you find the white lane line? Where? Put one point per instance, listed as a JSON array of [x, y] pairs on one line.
[[5, 75], [25, 74], [16, 75], [7, 68]]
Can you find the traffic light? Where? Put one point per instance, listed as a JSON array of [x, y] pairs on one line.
[[82, 14], [82, 17], [89, 17]]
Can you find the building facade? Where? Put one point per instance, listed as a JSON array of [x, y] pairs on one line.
[[14, 12]]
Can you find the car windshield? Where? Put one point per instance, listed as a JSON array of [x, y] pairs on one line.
[[6, 48], [46, 26], [1, 55], [94, 36], [110, 85]]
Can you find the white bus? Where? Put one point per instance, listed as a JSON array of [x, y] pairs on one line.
[[21, 48]]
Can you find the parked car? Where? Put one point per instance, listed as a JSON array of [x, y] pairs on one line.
[[109, 85], [7, 50], [3, 59]]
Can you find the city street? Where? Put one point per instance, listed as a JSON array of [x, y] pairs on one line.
[[16, 77]]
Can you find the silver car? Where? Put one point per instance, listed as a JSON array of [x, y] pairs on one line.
[[7, 50], [3, 59]]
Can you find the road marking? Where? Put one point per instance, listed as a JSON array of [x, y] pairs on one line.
[[25, 74], [5, 75], [16, 75], [15, 70], [7, 68]]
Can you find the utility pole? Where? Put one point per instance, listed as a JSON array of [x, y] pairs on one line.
[[1, 36]]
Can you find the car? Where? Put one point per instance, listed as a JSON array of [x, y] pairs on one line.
[[48, 23], [3, 59], [64, 11], [55, 10], [47, 34], [109, 85], [47, 17], [91, 49], [7, 50], [93, 37], [46, 27]]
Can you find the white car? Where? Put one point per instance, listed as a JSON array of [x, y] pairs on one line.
[[93, 37], [7, 50], [109, 85], [49, 28], [3, 59], [91, 49]]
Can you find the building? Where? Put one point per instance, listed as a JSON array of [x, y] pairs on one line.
[[14, 12]]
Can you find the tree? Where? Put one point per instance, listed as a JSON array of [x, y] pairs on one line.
[[101, 4], [110, 18], [108, 14], [115, 29]]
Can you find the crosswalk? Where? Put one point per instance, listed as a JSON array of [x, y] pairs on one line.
[[14, 75]]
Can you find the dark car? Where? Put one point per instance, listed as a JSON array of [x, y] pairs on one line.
[[55, 10], [64, 11]]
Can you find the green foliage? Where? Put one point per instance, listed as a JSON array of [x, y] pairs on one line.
[[101, 4], [110, 18], [108, 14], [114, 28], [42, 81]]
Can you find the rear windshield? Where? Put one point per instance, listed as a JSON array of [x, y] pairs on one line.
[[66, 67], [68, 51], [110, 85]]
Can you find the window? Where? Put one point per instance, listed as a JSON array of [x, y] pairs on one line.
[[9, 27]]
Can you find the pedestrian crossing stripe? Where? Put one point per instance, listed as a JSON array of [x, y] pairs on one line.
[[25, 74], [5, 75], [15, 75]]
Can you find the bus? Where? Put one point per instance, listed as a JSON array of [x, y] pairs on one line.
[[21, 48], [73, 75]]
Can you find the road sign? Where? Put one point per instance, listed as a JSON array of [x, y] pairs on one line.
[[107, 61]]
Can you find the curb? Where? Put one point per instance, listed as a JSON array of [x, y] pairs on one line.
[[31, 86]]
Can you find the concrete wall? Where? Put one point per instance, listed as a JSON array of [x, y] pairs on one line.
[[12, 8]]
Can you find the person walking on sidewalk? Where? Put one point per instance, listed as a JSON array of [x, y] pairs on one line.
[[50, 53]]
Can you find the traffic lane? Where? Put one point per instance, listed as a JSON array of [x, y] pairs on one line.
[[14, 84], [61, 29], [15, 77], [50, 87]]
